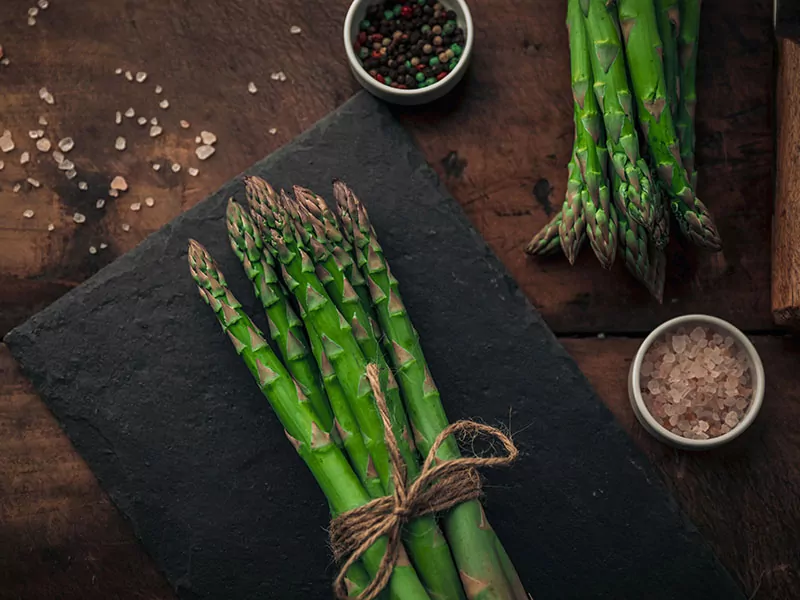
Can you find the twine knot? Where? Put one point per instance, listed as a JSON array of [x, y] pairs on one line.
[[441, 485]]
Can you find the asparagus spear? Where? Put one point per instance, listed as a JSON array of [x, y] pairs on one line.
[[426, 544], [546, 241], [687, 50], [589, 138], [642, 49], [284, 326], [668, 19], [614, 96], [572, 228], [301, 423], [473, 542]]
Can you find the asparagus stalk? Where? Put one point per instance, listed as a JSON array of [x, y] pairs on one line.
[[668, 19], [426, 544], [614, 96], [301, 423], [546, 242], [589, 138], [572, 228], [286, 330], [687, 49], [421, 533], [484, 573], [285, 326], [642, 49]]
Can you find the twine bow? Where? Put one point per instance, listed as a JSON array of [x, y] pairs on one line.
[[439, 487]]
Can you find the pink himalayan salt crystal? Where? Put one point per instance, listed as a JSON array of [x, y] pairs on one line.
[[679, 344], [698, 333], [647, 368]]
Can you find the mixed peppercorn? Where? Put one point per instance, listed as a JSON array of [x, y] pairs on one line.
[[410, 45]]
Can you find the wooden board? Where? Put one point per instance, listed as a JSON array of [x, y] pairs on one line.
[[501, 141]]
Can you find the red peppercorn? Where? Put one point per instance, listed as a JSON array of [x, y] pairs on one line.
[[376, 54], [406, 12], [441, 75], [421, 67], [402, 86], [356, 47], [380, 78], [376, 37], [362, 37]]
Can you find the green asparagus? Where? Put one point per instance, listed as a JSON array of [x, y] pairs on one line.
[[687, 50], [572, 228], [668, 19], [301, 423], [427, 546], [484, 574], [546, 242], [642, 49]]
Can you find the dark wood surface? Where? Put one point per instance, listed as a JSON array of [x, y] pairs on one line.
[[501, 142]]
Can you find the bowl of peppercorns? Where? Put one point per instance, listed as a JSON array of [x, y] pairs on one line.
[[409, 52]]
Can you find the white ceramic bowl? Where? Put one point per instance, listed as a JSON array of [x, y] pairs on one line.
[[407, 97], [653, 426]]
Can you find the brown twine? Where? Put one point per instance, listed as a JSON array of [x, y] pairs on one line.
[[438, 488]]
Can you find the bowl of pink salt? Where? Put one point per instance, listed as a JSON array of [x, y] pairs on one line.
[[696, 382]]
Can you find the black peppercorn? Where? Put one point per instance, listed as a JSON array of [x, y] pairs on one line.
[[451, 15], [427, 10]]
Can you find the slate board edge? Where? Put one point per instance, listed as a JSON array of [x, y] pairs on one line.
[[121, 265]]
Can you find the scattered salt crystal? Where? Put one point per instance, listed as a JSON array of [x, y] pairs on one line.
[[175, 167], [126, 227], [42, 121], [34, 182], [28, 214], [647, 368], [43, 4], [141, 76], [24, 158], [101, 202], [154, 121], [159, 89], [136, 206], [79, 218], [251, 87], [698, 333], [71, 174], [50, 227], [6, 141], [82, 185], [185, 124], [208, 138], [149, 201], [679, 344], [118, 71], [142, 121], [58, 156], [294, 30], [204, 152], [66, 164], [2, 165], [17, 187], [278, 76], [103, 245], [128, 75], [33, 11], [35, 134], [155, 130], [118, 118], [198, 139], [119, 183], [92, 250], [130, 113], [66, 144], [113, 193], [164, 104], [192, 171], [31, 21], [273, 130], [120, 143], [5, 61], [156, 166]]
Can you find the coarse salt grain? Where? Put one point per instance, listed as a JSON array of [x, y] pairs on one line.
[[130, 113], [155, 130], [79, 217], [204, 152], [251, 87], [43, 4], [175, 167], [101, 202], [142, 121], [103, 245], [118, 118], [192, 171], [126, 227], [185, 124], [159, 89], [128, 75], [119, 183], [24, 158], [149, 201], [154, 121], [83, 186], [136, 206], [113, 193], [118, 71], [141, 76], [156, 166], [294, 30], [273, 130], [697, 384], [208, 138], [50, 227], [120, 143], [34, 182], [42, 120], [92, 250], [28, 214], [66, 144], [164, 104], [17, 187]]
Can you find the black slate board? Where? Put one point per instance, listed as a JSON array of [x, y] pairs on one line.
[[134, 367]]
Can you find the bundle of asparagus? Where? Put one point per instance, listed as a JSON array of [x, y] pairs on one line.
[[652, 44], [333, 308]]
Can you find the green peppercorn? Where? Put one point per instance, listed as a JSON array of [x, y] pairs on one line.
[[396, 9], [452, 64], [449, 28], [437, 30], [388, 15], [363, 53], [409, 64], [457, 50], [421, 2], [387, 80], [425, 29], [365, 25], [427, 49], [420, 76], [430, 81], [433, 61]]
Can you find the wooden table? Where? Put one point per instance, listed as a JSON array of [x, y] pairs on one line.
[[501, 142]]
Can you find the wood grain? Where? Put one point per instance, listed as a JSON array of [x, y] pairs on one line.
[[501, 142], [786, 224]]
